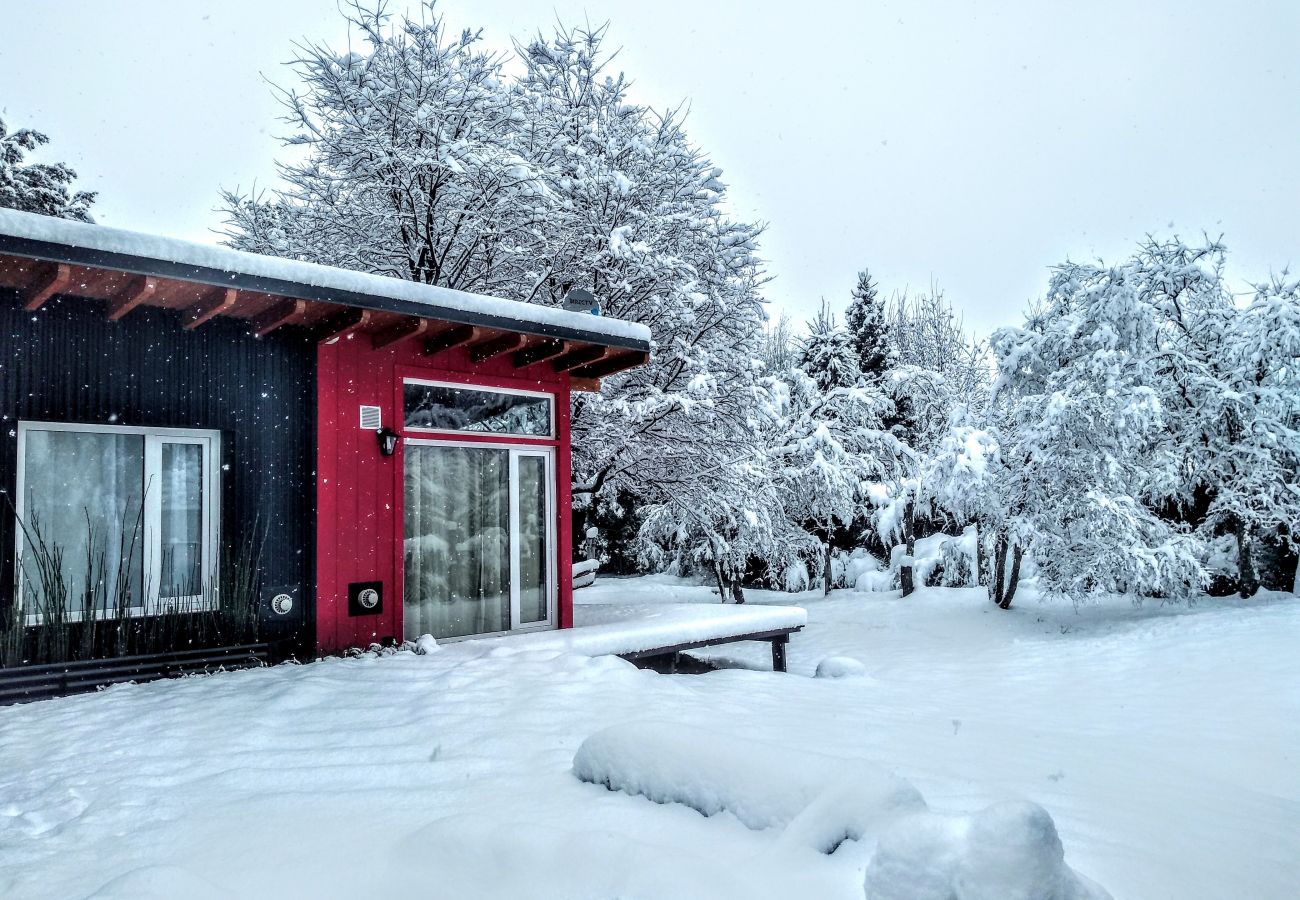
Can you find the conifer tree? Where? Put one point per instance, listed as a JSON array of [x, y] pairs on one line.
[[827, 355], [869, 330], [38, 187]]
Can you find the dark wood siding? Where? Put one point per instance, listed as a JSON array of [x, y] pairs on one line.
[[66, 362]]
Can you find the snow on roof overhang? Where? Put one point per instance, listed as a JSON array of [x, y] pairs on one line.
[[61, 241]]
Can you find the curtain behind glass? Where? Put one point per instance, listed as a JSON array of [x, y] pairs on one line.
[[533, 599], [84, 493], [457, 541], [181, 521]]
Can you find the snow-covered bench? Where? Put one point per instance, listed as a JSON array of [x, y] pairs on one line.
[[655, 631], [639, 631]]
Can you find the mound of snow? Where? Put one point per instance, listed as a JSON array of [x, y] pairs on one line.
[[856, 805], [762, 786], [426, 644], [840, 667], [1009, 851]]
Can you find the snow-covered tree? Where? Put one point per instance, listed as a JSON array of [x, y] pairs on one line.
[[780, 347], [832, 447], [730, 513], [43, 188], [1087, 448], [826, 353], [635, 214], [919, 406], [425, 157], [407, 162], [1254, 461], [866, 324], [928, 334]]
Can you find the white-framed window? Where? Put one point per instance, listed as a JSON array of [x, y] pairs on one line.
[[447, 407], [128, 516]]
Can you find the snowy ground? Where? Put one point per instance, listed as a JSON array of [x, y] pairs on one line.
[[1164, 741]]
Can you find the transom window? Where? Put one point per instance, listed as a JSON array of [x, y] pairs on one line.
[[446, 407], [116, 520]]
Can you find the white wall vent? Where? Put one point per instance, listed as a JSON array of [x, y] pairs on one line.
[[371, 418]]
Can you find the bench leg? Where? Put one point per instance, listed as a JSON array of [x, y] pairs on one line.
[[778, 652]]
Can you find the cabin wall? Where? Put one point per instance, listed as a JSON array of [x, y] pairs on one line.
[[360, 491], [66, 362]]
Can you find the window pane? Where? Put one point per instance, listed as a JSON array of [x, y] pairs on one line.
[[532, 540], [84, 500], [467, 409], [182, 521], [456, 541]]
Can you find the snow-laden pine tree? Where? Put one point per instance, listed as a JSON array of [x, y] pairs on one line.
[[827, 354], [866, 324], [43, 188]]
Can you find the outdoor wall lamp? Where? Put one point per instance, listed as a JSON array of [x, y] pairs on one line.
[[388, 439]]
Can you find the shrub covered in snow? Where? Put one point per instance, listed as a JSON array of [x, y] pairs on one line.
[[939, 559]]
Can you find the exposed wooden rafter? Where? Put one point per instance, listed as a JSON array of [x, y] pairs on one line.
[[138, 290], [539, 352], [617, 362], [282, 313], [217, 302], [493, 347], [583, 356], [341, 324], [452, 337], [48, 282], [402, 331]]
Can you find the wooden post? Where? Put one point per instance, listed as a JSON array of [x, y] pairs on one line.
[[778, 652]]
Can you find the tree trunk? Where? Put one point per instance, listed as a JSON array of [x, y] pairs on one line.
[[1014, 580], [999, 568], [737, 592], [906, 573], [722, 586], [981, 556], [826, 574], [1247, 577]]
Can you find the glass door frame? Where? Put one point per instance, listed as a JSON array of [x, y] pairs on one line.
[[515, 450]]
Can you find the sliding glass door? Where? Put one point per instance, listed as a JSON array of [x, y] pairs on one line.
[[478, 546]]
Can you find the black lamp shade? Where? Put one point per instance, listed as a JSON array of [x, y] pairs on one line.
[[388, 439]]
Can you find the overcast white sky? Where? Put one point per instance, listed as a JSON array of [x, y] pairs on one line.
[[973, 142]]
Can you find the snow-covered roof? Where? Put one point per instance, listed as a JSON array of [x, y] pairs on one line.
[[63, 240]]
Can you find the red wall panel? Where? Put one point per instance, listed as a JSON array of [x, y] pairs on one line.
[[359, 491]]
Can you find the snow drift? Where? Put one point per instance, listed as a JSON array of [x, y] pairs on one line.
[[1009, 851]]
